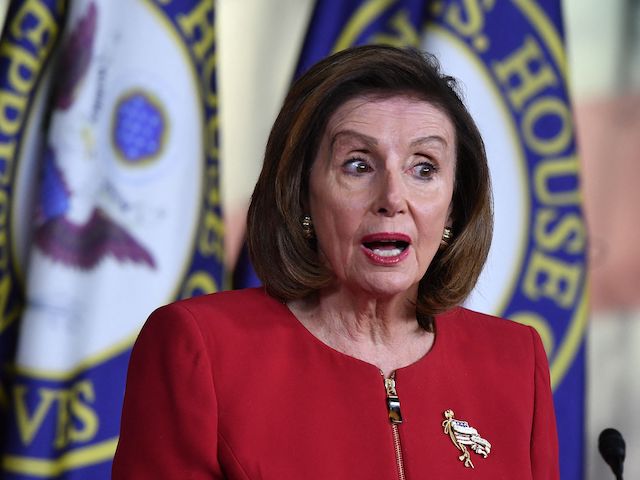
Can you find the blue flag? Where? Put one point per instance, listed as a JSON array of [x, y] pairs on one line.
[[244, 275], [510, 58], [30, 31], [339, 24], [126, 216]]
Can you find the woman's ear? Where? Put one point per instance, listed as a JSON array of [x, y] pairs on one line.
[[304, 207], [450, 219]]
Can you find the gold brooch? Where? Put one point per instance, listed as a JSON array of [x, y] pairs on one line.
[[463, 435]]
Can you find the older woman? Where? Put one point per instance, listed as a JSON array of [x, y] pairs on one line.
[[369, 225]]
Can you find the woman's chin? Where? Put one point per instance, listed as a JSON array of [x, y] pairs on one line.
[[384, 286]]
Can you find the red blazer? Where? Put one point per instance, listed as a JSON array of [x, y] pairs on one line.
[[232, 386]]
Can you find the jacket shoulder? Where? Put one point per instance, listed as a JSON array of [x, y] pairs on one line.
[[483, 332], [229, 301], [223, 311], [463, 318]]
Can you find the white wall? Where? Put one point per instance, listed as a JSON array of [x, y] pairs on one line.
[[258, 45]]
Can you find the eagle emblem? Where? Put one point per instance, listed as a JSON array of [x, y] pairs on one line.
[[85, 244], [463, 435]]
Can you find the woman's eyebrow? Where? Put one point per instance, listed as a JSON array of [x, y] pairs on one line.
[[429, 139], [348, 134]]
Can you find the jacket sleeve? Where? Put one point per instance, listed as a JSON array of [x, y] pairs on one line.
[[169, 418], [544, 437]]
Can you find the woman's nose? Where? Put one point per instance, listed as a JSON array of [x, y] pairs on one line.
[[390, 197]]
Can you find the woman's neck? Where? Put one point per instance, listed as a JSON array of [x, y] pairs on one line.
[[380, 331]]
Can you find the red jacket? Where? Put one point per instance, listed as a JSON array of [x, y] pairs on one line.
[[232, 386]]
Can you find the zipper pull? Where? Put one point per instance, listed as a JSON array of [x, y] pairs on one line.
[[393, 402]]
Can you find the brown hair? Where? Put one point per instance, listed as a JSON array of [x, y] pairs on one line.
[[286, 262]]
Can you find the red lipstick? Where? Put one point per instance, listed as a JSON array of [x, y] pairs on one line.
[[386, 248]]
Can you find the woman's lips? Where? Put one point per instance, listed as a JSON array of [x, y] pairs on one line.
[[386, 248]]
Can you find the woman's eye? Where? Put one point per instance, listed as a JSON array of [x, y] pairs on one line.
[[424, 170], [357, 166]]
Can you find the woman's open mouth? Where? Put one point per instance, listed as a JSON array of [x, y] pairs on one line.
[[386, 248]]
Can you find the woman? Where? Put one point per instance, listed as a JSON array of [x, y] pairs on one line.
[[370, 223]]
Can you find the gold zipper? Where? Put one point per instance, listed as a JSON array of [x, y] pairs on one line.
[[395, 417]]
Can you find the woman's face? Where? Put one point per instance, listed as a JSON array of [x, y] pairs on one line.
[[380, 192]]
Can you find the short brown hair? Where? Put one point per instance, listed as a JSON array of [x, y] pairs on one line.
[[287, 263]]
